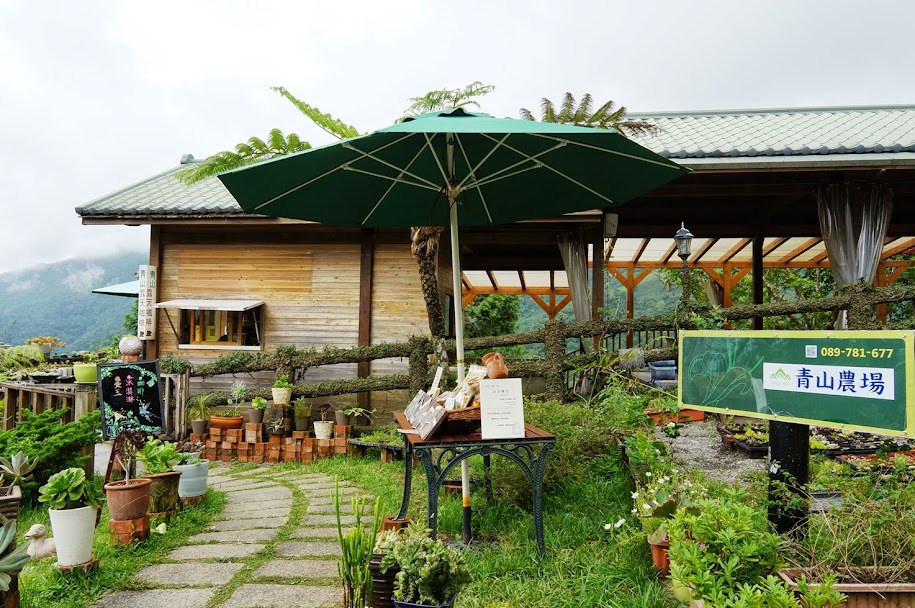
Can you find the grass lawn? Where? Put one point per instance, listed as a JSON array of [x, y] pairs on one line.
[[42, 586]]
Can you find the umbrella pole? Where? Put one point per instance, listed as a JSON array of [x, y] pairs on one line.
[[459, 352]]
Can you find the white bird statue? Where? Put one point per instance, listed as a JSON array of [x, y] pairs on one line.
[[40, 547]]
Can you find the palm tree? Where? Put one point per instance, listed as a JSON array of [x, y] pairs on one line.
[[424, 239], [582, 114]]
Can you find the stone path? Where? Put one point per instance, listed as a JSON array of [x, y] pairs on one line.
[[274, 545]]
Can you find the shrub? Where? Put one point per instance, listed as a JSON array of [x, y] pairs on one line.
[[54, 444]]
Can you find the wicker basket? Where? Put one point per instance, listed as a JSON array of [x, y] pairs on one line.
[[466, 413]]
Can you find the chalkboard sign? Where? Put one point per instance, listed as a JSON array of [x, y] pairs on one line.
[[856, 380], [129, 398]]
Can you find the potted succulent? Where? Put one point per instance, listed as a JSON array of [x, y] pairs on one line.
[[11, 564], [324, 428], [282, 390], [431, 573], [194, 471], [159, 458], [351, 413], [73, 502], [199, 413], [356, 544], [276, 427], [46, 344], [128, 498], [258, 405], [16, 469], [302, 410], [86, 371]]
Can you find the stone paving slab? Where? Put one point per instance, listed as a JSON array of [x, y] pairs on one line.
[[189, 575], [214, 479], [257, 496], [257, 471], [257, 505], [329, 532], [298, 568], [157, 598], [325, 485], [243, 484], [285, 596], [255, 513], [217, 551], [238, 536], [247, 524], [308, 549], [327, 520]]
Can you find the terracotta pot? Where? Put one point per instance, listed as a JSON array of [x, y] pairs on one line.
[[875, 595], [226, 422], [659, 556], [495, 366], [163, 495], [128, 499]]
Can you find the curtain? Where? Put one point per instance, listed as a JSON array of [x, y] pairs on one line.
[[853, 220], [574, 253], [714, 291]]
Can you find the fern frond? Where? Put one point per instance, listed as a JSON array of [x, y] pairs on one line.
[[255, 150], [547, 111], [257, 144], [446, 99], [583, 112], [325, 122], [637, 127], [567, 110], [526, 114], [277, 141]]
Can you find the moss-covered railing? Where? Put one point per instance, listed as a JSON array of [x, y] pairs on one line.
[[858, 300]]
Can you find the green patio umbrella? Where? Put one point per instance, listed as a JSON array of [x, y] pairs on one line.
[[453, 168]]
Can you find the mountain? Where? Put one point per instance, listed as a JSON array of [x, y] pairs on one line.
[[56, 300]]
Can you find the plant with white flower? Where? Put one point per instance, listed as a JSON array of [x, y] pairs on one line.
[[659, 496]]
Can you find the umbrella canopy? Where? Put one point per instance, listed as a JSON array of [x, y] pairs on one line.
[[130, 289], [499, 170]]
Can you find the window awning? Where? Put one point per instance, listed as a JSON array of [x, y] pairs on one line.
[[230, 305]]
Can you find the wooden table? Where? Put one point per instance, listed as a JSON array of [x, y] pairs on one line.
[[441, 453]]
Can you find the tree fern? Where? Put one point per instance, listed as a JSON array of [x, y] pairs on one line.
[[444, 99], [325, 122], [250, 152], [607, 116]]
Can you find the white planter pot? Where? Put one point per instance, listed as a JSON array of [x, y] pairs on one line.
[[193, 480], [323, 430], [281, 396], [73, 531]]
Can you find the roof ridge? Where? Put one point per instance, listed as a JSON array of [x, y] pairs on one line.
[[782, 110]]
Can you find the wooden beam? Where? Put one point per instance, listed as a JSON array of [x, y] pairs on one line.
[[713, 274], [521, 279], [517, 291], [561, 304], [897, 249], [366, 269], [641, 276], [539, 301], [669, 253], [727, 257], [468, 298], [774, 245], [492, 280], [806, 246], [709, 243], [638, 254]]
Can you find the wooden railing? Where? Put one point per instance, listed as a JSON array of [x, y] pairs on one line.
[[859, 301]]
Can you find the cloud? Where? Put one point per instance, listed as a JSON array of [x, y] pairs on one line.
[[84, 279], [17, 283]]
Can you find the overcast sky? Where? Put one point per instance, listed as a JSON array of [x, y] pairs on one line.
[[97, 95]]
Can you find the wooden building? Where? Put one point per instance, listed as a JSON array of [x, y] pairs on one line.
[[751, 199]]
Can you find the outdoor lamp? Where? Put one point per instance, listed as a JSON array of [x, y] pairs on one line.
[[684, 239]]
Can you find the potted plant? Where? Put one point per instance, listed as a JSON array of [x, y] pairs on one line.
[[86, 371], [199, 413], [128, 498], [282, 390], [227, 419], [354, 413], [258, 405], [302, 410], [159, 458], [324, 429], [194, 471], [11, 564], [276, 427], [16, 469], [661, 494], [356, 545], [73, 502], [46, 344], [431, 574]]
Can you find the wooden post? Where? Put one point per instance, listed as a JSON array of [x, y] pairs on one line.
[[366, 268], [554, 353], [151, 347]]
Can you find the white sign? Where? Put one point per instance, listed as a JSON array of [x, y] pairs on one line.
[[501, 409], [146, 304], [835, 380]]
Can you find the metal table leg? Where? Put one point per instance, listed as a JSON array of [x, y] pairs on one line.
[[407, 478]]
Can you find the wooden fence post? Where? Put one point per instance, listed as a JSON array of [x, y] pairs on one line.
[[554, 350]]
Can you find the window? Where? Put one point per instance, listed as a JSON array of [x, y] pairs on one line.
[[217, 324]]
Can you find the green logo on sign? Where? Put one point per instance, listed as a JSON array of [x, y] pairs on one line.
[[780, 375]]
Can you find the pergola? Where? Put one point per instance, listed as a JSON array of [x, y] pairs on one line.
[[750, 200]]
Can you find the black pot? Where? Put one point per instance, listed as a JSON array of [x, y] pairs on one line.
[[382, 583]]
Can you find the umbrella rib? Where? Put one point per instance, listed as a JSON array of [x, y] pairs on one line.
[[556, 171], [472, 174], [299, 187], [438, 161], [525, 158], [386, 163], [395, 182], [665, 164]]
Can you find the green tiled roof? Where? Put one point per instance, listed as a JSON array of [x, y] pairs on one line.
[[725, 137], [781, 132], [164, 195]]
